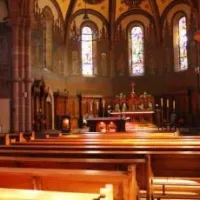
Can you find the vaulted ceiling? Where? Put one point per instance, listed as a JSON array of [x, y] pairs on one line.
[[153, 7]]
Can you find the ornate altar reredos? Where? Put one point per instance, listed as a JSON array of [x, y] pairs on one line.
[[133, 101]]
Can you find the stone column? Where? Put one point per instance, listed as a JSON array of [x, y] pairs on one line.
[[15, 79], [28, 79], [22, 94]]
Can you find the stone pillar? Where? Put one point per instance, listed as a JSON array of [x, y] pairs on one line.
[[15, 79], [20, 17], [28, 79], [22, 94]]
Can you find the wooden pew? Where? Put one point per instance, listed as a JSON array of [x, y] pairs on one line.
[[4, 139], [89, 163], [118, 138], [8, 138], [112, 135], [89, 181], [163, 163], [114, 142], [184, 148], [120, 135], [20, 194], [80, 163], [25, 137], [167, 159]]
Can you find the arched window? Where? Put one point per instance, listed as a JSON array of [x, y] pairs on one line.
[[87, 51], [136, 51], [180, 44]]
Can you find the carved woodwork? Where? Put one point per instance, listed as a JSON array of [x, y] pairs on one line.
[[60, 106]]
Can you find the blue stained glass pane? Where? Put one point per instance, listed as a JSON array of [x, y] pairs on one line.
[[182, 27], [137, 49], [87, 64]]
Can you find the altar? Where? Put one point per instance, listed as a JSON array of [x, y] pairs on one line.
[[135, 107], [136, 116]]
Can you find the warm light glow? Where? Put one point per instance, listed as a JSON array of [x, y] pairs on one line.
[[87, 51], [15, 194], [133, 112], [66, 121], [137, 51], [174, 181], [197, 36], [182, 31]]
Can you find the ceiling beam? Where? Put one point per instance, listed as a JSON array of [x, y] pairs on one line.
[[68, 17], [112, 13], [157, 18]]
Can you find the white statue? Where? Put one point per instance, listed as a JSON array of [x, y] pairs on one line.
[[124, 107]]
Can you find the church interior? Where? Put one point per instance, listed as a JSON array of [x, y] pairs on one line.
[[100, 99]]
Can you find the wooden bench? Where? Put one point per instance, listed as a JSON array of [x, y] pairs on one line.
[[88, 181], [161, 163], [168, 157], [100, 164], [174, 142], [8, 138], [20, 194], [121, 135], [80, 163]]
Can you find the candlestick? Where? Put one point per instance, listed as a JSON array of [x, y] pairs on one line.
[[97, 104], [103, 103], [174, 105], [161, 102], [167, 103], [91, 106]]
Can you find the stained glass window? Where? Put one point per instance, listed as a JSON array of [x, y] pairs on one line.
[[137, 51], [87, 61], [182, 37]]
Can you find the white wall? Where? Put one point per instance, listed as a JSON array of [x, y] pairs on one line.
[[5, 115]]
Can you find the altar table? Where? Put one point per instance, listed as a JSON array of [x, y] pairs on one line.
[[139, 116]]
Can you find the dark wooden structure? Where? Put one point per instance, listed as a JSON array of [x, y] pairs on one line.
[[106, 124]]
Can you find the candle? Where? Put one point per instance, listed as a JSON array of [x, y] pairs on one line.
[[167, 103], [161, 102], [91, 106], [174, 104], [103, 103], [97, 104]]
